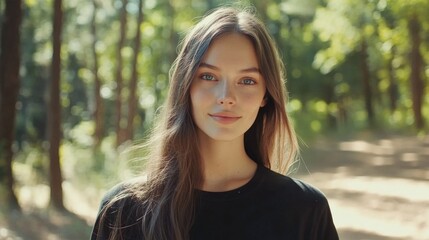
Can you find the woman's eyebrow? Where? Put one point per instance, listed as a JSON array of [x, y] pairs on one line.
[[246, 70], [203, 64], [251, 70]]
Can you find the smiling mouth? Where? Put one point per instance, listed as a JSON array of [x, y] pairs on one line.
[[224, 119]]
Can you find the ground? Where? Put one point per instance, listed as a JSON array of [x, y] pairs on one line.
[[377, 187]]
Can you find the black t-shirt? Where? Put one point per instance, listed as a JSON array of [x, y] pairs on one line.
[[269, 206]]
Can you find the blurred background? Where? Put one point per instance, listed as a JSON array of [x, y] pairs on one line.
[[81, 82]]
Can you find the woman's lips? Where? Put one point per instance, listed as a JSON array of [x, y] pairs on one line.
[[224, 118]]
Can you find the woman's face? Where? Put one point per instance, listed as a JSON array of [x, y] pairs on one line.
[[228, 88]]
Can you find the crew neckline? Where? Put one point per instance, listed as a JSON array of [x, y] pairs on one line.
[[234, 193]]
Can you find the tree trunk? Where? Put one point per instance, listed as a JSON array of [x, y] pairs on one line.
[[99, 106], [417, 85], [54, 114], [9, 88], [329, 97], [170, 53], [132, 102], [366, 83], [393, 85], [119, 77]]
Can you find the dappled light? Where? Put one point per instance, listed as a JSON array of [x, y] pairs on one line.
[[356, 74], [377, 188], [386, 148]]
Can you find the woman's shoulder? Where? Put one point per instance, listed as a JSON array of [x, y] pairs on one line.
[[123, 191], [292, 188], [119, 202]]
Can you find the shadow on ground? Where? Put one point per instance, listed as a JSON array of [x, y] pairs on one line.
[[43, 225], [353, 234], [378, 188]]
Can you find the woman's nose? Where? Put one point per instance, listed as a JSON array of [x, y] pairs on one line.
[[226, 94]]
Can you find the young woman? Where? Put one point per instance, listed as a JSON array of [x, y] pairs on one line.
[[224, 127]]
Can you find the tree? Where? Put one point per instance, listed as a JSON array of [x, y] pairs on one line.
[[348, 26], [9, 88], [54, 113], [416, 60], [99, 106], [32, 115], [119, 77], [366, 81], [132, 102], [386, 35], [414, 16]]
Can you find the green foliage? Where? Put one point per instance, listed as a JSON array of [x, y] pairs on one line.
[[320, 42]]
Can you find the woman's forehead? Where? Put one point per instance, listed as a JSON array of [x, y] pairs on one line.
[[231, 49]]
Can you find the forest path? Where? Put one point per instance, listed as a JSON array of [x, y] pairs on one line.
[[377, 187]]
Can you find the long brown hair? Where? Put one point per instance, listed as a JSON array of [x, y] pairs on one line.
[[166, 201]]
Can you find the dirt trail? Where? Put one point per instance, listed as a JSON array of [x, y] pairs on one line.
[[377, 189]]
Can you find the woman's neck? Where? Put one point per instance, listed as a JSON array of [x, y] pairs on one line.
[[225, 164]]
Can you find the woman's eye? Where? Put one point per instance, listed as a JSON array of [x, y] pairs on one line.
[[248, 81], [208, 77]]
